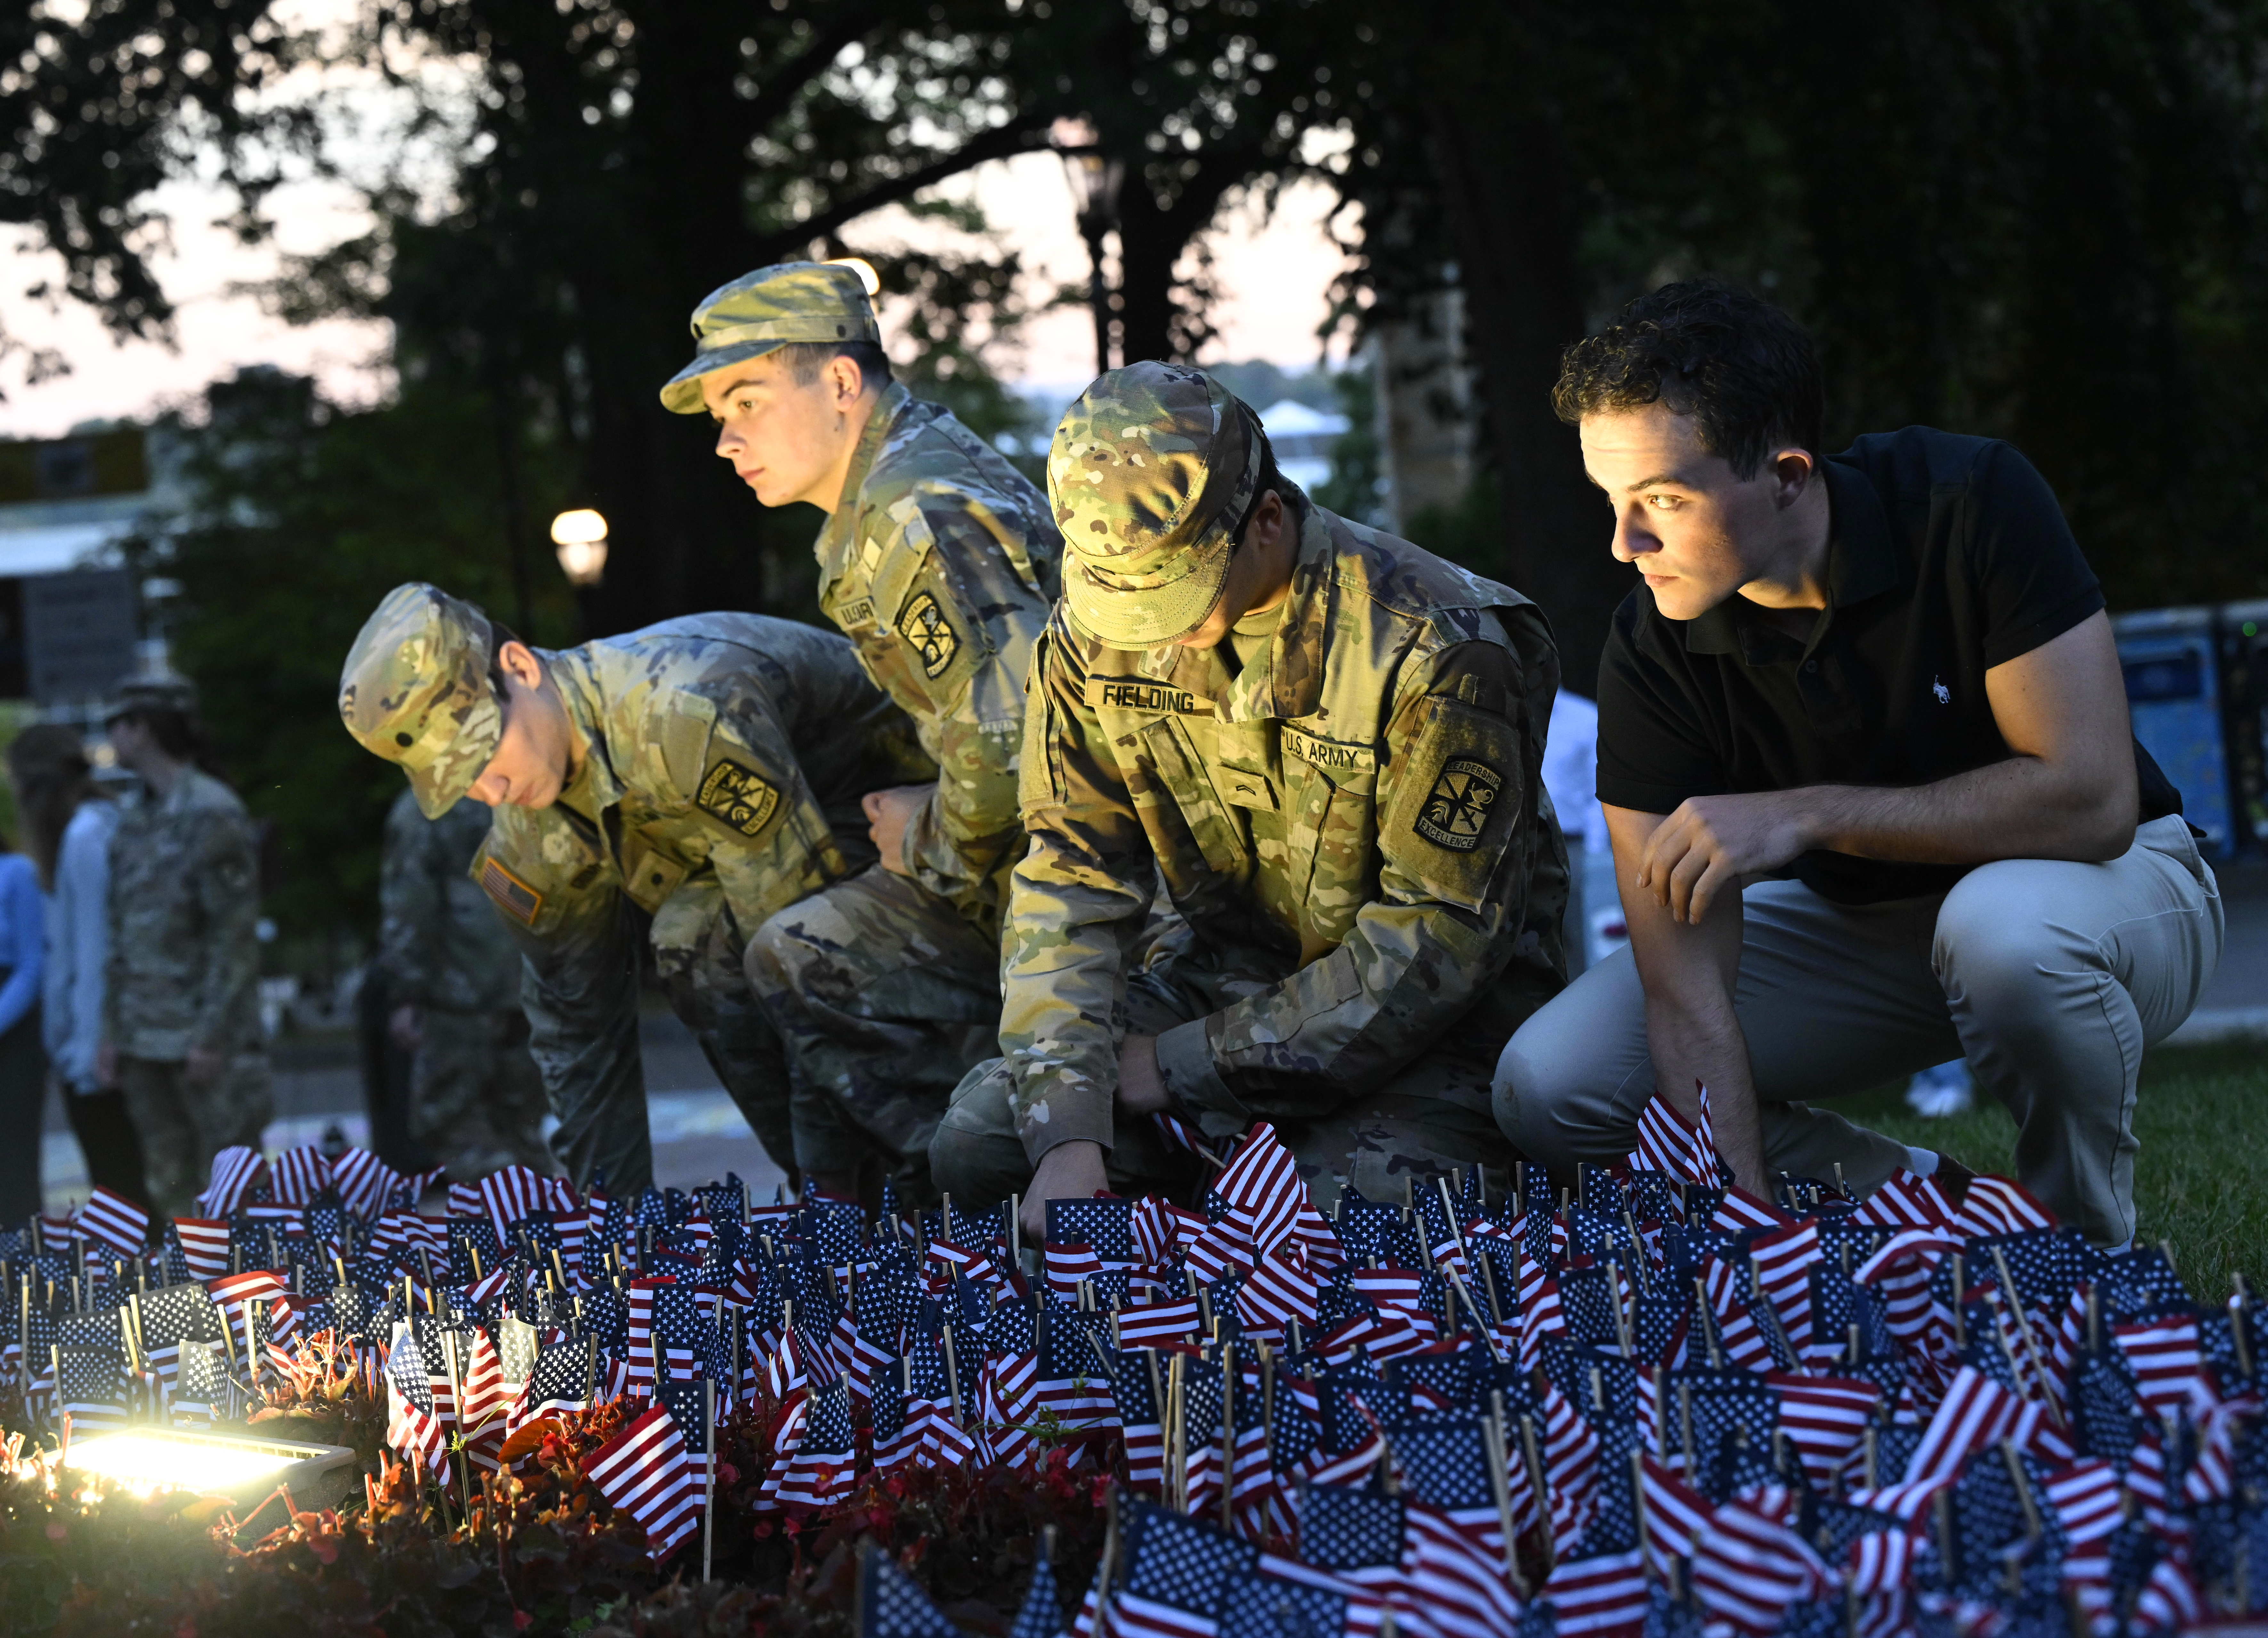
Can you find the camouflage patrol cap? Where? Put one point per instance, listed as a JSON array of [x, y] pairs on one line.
[[1150, 473], [790, 301], [416, 691]]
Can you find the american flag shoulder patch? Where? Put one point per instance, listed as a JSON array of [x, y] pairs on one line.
[[514, 896]]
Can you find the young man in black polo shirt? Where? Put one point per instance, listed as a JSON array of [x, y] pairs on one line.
[[1874, 797]]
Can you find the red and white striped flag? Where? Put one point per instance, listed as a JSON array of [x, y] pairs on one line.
[[509, 1194], [1880, 1562], [1749, 1571], [118, 1222], [1976, 1411], [1157, 1324], [1264, 1181], [234, 1171], [646, 1471], [2169, 1365], [1995, 1206], [1597, 1598], [1784, 1261], [298, 1175], [1675, 1513], [1069, 1263], [364, 1181], [1667, 1142], [1906, 1201], [1278, 1292], [204, 1245], [2084, 1495], [1825, 1419]]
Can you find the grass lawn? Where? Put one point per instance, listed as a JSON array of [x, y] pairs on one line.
[[2201, 1180]]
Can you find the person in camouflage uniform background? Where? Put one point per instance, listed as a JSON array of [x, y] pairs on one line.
[[677, 784], [1327, 745], [452, 977], [940, 561], [181, 1015]]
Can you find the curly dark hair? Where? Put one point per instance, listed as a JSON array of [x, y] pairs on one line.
[[1742, 368]]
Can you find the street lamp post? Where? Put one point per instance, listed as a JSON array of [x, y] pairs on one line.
[[1095, 180]]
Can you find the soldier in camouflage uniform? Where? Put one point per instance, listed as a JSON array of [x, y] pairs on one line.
[[1327, 744], [452, 977], [680, 783], [181, 1010], [940, 561]]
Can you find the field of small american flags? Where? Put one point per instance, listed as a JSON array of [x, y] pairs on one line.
[[1643, 1403]]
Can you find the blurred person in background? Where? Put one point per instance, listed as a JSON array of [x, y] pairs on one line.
[[452, 976], [66, 824], [23, 1061], [182, 1019]]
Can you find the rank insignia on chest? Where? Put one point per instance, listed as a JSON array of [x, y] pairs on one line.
[[1456, 809], [513, 896], [738, 796], [922, 624]]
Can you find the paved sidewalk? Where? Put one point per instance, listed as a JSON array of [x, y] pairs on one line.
[[698, 1132]]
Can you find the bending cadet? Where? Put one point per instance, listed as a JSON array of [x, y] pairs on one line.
[[680, 783], [1325, 744], [939, 562], [1872, 793]]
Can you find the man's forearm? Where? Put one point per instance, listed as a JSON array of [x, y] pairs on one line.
[[2019, 808], [1696, 1046]]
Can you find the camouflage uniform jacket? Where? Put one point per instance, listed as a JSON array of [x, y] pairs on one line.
[[442, 945], [725, 757], [941, 565], [1360, 813], [184, 964]]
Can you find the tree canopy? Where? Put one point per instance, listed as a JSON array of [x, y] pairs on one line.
[[2041, 219]]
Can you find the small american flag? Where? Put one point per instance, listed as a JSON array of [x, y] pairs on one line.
[[891, 1606], [562, 1381], [508, 1195], [1597, 1596], [234, 1169], [2168, 1364], [116, 1221], [92, 1385], [413, 1421], [1750, 1570], [1976, 1411], [364, 1182], [298, 1176], [645, 1470]]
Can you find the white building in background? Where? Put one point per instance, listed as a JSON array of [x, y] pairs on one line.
[[70, 621], [1302, 436]]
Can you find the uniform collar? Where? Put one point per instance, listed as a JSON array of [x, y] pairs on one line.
[[1861, 563], [1288, 681], [595, 788], [840, 537]]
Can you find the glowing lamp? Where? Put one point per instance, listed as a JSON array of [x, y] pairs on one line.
[[147, 1460], [580, 536]]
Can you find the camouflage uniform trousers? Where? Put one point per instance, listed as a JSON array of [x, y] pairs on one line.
[[1432, 1117], [184, 1120], [477, 1098], [883, 995]]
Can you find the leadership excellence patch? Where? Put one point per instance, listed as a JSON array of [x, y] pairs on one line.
[[514, 896], [738, 797], [924, 624], [1456, 809]]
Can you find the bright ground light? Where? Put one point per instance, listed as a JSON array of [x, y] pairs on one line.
[[147, 1462]]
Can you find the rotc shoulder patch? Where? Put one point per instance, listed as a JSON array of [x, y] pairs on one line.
[[1456, 810], [922, 624], [738, 796], [514, 896]]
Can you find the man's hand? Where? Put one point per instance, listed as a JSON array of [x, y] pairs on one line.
[[1069, 1171], [407, 1027], [888, 812], [1141, 1088], [1712, 843], [105, 1065], [203, 1064]]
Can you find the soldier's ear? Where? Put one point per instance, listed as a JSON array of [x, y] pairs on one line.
[[517, 661]]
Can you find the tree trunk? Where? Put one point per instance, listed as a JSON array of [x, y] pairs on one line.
[[1509, 196]]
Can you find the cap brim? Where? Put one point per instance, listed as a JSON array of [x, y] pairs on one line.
[[1152, 617], [681, 394]]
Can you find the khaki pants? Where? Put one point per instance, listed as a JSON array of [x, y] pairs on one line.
[[2049, 978], [184, 1121]]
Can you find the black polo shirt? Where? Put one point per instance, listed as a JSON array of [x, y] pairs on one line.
[[1946, 556]]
